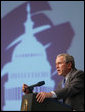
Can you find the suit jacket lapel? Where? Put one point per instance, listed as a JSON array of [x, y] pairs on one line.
[[69, 77]]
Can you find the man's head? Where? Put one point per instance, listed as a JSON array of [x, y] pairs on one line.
[[64, 63]]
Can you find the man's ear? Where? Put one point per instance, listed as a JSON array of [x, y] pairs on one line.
[[69, 65]]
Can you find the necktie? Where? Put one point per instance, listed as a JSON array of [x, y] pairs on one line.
[[63, 83]]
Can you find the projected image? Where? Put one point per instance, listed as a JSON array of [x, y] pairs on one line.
[[30, 45]]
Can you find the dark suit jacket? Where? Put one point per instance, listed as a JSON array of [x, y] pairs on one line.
[[73, 92]]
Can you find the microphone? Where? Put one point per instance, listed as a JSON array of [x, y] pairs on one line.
[[37, 84], [30, 88]]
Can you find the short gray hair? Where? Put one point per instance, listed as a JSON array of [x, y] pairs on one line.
[[68, 58]]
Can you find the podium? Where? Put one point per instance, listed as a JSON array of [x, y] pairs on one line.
[[29, 103]]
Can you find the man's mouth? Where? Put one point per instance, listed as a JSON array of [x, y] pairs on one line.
[[58, 70]]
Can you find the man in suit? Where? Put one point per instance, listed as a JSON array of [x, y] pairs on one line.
[[71, 89]]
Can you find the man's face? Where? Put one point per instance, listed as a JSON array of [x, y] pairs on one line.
[[61, 66]]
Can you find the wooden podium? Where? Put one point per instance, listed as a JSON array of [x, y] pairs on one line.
[[29, 103]]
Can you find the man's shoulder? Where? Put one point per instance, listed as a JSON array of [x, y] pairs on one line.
[[77, 72]]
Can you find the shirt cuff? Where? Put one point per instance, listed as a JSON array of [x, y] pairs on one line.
[[53, 94]]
